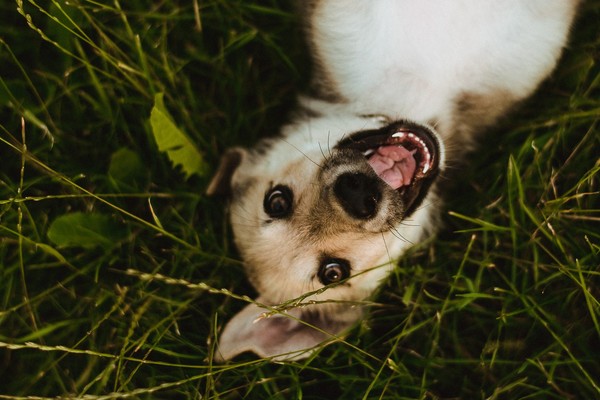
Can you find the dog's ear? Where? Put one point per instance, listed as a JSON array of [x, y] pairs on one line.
[[282, 337], [221, 181]]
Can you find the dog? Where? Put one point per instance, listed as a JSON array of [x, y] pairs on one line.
[[400, 89]]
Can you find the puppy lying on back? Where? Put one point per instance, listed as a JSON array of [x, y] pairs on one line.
[[402, 88]]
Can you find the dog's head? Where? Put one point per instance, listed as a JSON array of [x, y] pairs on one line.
[[319, 216]]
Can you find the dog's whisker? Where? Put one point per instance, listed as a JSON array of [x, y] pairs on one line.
[[325, 156], [329, 149], [396, 233], [303, 153], [387, 250]]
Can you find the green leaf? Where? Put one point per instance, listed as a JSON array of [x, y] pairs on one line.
[[47, 330], [86, 230], [179, 148], [51, 251], [127, 169]]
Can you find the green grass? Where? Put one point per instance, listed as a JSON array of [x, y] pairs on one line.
[[505, 303]]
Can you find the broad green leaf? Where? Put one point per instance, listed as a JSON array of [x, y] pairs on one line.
[[127, 169], [86, 230], [179, 148]]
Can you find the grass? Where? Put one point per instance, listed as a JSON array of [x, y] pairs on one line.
[[504, 303]]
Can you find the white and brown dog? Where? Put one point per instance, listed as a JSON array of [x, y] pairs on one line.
[[401, 87]]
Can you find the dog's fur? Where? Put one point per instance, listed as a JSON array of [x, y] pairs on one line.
[[443, 70]]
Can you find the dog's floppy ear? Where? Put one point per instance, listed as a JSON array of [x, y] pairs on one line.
[[221, 181], [279, 336]]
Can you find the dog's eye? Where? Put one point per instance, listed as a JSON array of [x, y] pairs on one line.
[[333, 270], [278, 202]]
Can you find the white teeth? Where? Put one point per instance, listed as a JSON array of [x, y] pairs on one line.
[[369, 152], [426, 164]]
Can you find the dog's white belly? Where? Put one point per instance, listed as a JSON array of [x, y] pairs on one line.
[[413, 58]]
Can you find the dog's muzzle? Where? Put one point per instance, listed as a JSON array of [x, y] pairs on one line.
[[403, 160]]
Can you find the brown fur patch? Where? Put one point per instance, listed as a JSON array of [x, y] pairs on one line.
[[473, 114]]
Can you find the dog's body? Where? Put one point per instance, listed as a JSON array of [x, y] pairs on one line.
[[401, 87]]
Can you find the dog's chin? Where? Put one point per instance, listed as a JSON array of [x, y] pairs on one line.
[[406, 156]]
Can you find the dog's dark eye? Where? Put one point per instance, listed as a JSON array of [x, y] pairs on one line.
[[278, 202], [333, 270]]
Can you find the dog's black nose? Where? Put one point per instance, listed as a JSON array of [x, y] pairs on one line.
[[358, 193]]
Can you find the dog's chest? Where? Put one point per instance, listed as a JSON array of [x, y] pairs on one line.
[[415, 57]]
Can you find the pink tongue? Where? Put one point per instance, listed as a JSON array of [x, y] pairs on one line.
[[394, 164]]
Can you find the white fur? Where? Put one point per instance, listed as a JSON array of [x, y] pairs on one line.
[[412, 58]]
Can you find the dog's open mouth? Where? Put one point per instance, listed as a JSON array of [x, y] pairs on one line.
[[403, 154], [402, 158]]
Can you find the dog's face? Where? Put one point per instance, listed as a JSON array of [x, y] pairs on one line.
[[321, 214]]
